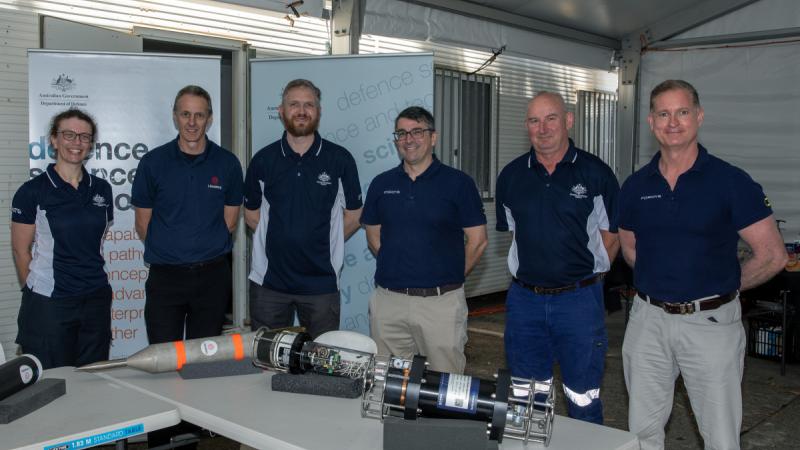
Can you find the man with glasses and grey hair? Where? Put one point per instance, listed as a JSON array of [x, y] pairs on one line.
[[303, 199], [417, 216]]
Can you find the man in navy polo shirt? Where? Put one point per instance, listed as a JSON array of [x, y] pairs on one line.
[[680, 219], [303, 199], [556, 200], [416, 216], [187, 194]]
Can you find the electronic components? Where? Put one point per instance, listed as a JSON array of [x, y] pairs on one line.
[[513, 407], [286, 351]]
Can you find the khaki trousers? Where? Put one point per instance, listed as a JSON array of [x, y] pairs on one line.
[[436, 327], [707, 349]]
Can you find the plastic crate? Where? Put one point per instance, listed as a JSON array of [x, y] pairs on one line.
[[766, 338]]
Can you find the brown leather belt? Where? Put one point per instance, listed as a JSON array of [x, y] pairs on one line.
[[427, 292], [690, 307], [560, 290]]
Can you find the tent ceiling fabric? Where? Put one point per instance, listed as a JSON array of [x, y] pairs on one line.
[[606, 20], [610, 18]]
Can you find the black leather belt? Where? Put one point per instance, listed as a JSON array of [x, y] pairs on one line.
[[690, 307], [190, 266], [560, 290], [427, 292]]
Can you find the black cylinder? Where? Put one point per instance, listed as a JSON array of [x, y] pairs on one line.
[[19, 373], [444, 395]]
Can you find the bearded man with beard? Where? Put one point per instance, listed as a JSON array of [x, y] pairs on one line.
[[303, 200]]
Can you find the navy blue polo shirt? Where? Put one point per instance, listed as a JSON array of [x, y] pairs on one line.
[[70, 224], [556, 218], [687, 238], [188, 198], [298, 246], [422, 225]]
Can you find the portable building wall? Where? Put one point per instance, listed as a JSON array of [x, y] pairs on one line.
[[20, 32]]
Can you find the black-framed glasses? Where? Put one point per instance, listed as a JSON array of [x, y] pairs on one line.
[[71, 136], [416, 133]]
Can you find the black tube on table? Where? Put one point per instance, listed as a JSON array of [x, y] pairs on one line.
[[19, 373]]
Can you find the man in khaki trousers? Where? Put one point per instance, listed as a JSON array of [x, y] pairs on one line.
[[417, 216]]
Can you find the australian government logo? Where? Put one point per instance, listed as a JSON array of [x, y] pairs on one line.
[[323, 179], [99, 200], [578, 191], [64, 83], [62, 94]]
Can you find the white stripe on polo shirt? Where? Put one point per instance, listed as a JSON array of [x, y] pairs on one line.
[[598, 220], [41, 278]]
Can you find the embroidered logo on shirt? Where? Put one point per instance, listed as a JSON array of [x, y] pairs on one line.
[[394, 191], [323, 179], [650, 197], [99, 200], [16, 211], [578, 191], [214, 183]]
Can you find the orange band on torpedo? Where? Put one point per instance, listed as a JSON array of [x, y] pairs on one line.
[[238, 347], [180, 355]]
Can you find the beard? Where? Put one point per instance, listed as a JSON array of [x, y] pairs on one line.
[[301, 130]]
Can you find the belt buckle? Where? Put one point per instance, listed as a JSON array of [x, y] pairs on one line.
[[686, 308], [538, 290]]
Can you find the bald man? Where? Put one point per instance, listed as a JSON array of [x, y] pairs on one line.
[[556, 200]]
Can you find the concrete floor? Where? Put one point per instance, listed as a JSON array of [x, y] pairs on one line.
[[771, 401]]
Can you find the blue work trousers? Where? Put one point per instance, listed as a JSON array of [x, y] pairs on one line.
[[568, 328]]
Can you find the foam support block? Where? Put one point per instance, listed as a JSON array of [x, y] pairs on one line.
[[314, 384], [30, 399], [441, 434], [218, 369]]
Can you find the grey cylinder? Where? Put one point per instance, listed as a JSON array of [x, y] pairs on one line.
[[171, 356]]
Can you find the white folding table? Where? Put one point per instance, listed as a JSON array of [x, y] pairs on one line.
[[245, 409], [94, 411]]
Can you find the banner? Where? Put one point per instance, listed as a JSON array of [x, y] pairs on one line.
[[361, 97], [130, 97]]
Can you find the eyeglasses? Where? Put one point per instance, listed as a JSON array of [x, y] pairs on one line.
[[416, 133], [199, 116], [71, 135]]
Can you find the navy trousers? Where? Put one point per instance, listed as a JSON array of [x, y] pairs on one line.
[[66, 331], [568, 328], [193, 297]]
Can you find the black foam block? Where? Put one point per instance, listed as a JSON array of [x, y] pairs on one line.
[[314, 384], [218, 369], [441, 434], [30, 399]]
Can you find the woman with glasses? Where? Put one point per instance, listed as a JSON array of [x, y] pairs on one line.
[[58, 221]]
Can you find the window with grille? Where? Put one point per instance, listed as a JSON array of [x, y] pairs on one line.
[[465, 110], [595, 124]]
